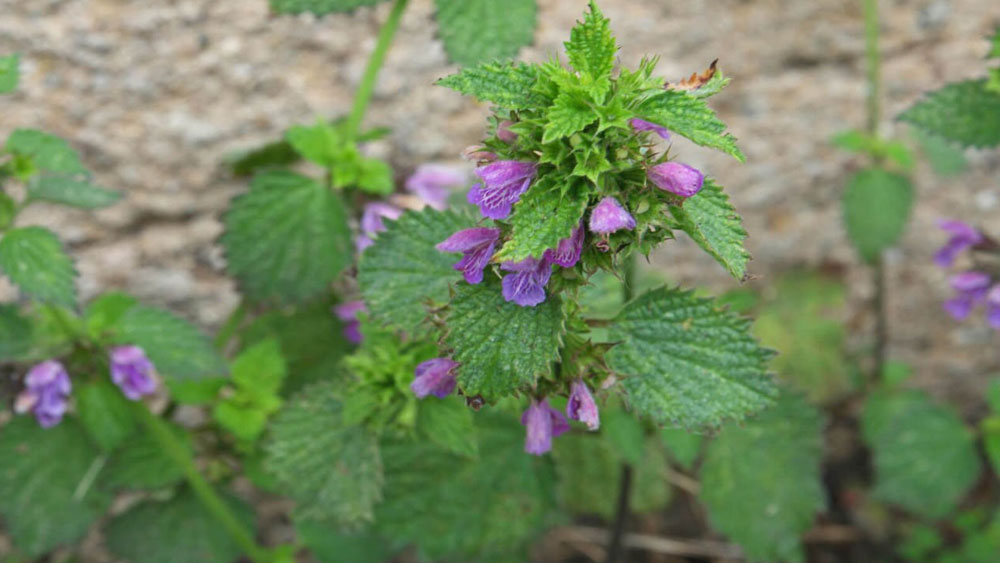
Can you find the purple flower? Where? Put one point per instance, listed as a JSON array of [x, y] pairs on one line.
[[504, 133], [971, 288], [676, 178], [993, 306], [46, 393], [963, 236], [348, 313], [431, 183], [476, 245], [434, 377], [542, 423], [526, 286], [132, 372], [503, 183], [643, 125], [581, 405], [609, 216], [371, 222], [567, 252]]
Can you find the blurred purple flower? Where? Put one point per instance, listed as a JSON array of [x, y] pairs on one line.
[[434, 377], [676, 178], [503, 183], [46, 393], [433, 182], [476, 245], [567, 252], [993, 306], [963, 236], [132, 372], [581, 405], [526, 286], [609, 216], [971, 288], [542, 423], [643, 125], [348, 313], [371, 222]]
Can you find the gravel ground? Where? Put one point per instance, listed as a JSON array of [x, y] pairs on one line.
[[156, 94]]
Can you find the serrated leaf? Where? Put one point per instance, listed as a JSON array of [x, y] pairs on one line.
[[540, 220], [260, 368], [403, 271], [477, 31], [591, 48], [761, 482], [711, 221], [15, 334], [569, 113], [966, 113], [876, 209], [924, 456], [277, 154], [180, 529], [465, 505], [687, 363], [45, 498], [332, 471], [507, 85], [9, 73], [318, 7], [501, 346], [330, 544], [286, 239], [448, 423], [34, 259], [104, 312], [69, 190], [317, 143], [257, 374], [104, 412], [46, 151], [689, 116], [375, 176], [142, 464], [177, 349]]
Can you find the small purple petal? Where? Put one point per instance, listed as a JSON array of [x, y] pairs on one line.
[[434, 377], [970, 281], [581, 405], [542, 423], [46, 394], [526, 286], [477, 246], [503, 183], [676, 178], [371, 217], [609, 216], [504, 133], [963, 236], [348, 313], [433, 182], [643, 125], [132, 372], [567, 252]]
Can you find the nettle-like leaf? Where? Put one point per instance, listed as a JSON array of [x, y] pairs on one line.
[[711, 221], [591, 48], [46, 151], [877, 207], [9, 73], [688, 363], [34, 259], [318, 143], [318, 7], [448, 423], [47, 497], [257, 374], [332, 471], [104, 413], [689, 116], [541, 219], [104, 312], [178, 350], [501, 346], [287, 238], [142, 464], [761, 482], [967, 113], [15, 334], [508, 85], [902, 430], [402, 272], [330, 544], [180, 529], [70, 190], [476, 31], [570, 113]]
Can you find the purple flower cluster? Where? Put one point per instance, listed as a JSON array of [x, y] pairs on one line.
[[132, 372], [372, 222], [347, 312], [46, 393], [542, 422], [972, 287], [503, 182], [433, 184], [434, 377]]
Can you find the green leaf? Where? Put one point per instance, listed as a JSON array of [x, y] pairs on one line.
[[329, 544], [876, 209], [179, 529], [286, 239], [966, 113], [540, 220], [142, 464], [591, 47], [34, 259], [276, 154], [448, 423], [104, 313], [47, 152], [318, 7], [257, 374], [925, 457], [501, 346], [626, 435], [507, 85], [317, 143], [711, 221], [761, 483], [177, 349], [15, 334], [9, 73], [682, 445], [990, 429], [375, 176], [402, 271], [71, 191], [8, 209], [569, 113], [477, 31], [945, 158], [689, 116], [46, 493], [332, 471], [687, 363], [104, 412]]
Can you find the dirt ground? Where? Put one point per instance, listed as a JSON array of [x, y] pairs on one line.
[[156, 94]]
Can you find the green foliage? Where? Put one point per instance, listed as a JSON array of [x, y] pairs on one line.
[[9, 73], [277, 154], [761, 483], [925, 458], [687, 363], [305, 245], [34, 259], [71, 191], [967, 113], [570, 113], [318, 7], [318, 143], [875, 146], [591, 47], [448, 423], [711, 221], [540, 221], [15, 334], [104, 413], [501, 346], [402, 273], [46, 493], [45, 151], [257, 375], [877, 207], [689, 116], [944, 157], [329, 544], [477, 31], [103, 313], [176, 530], [332, 471], [177, 349], [683, 446], [507, 85], [8, 209], [142, 464], [625, 433]]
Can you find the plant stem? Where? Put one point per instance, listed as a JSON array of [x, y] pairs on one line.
[[176, 451], [366, 88]]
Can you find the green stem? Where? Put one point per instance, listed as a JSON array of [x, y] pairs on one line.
[[366, 88], [628, 276], [873, 59], [176, 451]]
